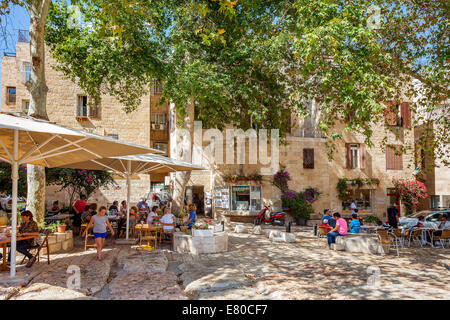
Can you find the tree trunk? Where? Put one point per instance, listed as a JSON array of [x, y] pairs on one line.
[[38, 99], [182, 151]]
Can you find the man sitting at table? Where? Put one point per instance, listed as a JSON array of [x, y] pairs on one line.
[[55, 209], [168, 217], [28, 227], [87, 214]]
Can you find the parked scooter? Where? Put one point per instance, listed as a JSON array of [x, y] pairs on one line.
[[267, 216]]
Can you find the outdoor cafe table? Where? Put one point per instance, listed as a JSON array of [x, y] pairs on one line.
[[425, 231], [4, 243], [152, 227]]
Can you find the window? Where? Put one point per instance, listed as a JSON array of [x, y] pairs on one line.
[[255, 198], [159, 118], [82, 106], [84, 109], [246, 198], [161, 146], [308, 158], [363, 199], [25, 106], [26, 71], [394, 159], [398, 114], [355, 155], [435, 202], [10, 94], [156, 87], [113, 135]]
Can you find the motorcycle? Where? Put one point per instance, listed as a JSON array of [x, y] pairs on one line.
[[267, 216]]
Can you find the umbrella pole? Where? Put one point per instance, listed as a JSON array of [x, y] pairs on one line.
[[128, 196], [15, 179]]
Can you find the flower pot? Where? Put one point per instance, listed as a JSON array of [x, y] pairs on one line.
[[3, 221], [62, 229], [202, 233]]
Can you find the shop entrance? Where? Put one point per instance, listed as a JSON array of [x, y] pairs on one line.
[[393, 198], [196, 195]]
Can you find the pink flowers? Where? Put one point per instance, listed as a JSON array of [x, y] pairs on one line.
[[410, 191]]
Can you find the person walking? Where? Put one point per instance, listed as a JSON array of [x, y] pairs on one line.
[[79, 208], [393, 216], [100, 222]]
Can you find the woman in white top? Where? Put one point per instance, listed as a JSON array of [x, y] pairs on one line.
[[168, 217], [153, 215]]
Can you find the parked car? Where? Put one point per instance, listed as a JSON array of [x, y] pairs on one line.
[[6, 202], [430, 218]]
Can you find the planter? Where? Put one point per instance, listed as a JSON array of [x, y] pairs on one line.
[[300, 222], [202, 233], [183, 228], [62, 229], [3, 221]]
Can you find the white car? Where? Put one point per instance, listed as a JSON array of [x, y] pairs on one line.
[[6, 202], [430, 218]]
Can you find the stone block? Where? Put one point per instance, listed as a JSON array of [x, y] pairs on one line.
[[55, 247], [337, 247], [67, 245], [51, 239], [278, 236], [69, 234], [257, 230], [60, 237], [360, 242], [239, 229]]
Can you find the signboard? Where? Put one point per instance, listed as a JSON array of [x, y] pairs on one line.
[[222, 198]]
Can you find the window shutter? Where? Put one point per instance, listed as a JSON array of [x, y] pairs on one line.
[[362, 155], [391, 117], [93, 111], [388, 158], [399, 159], [347, 156], [308, 158], [406, 114]]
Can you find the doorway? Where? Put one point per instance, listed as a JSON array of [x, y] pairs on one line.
[[393, 198], [196, 195]]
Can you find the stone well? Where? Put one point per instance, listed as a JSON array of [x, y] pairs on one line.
[[196, 245]]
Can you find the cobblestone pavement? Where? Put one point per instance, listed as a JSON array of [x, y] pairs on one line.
[[253, 268]]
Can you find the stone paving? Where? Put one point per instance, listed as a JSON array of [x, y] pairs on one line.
[[253, 268]]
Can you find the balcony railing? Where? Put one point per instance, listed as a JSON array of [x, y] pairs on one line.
[[11, 98]]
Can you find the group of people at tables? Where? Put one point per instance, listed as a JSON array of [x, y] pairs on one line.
[[338, 226]]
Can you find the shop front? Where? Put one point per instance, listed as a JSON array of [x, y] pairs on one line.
[[238, 200]]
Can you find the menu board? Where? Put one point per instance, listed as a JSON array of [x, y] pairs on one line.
[[222, 198]]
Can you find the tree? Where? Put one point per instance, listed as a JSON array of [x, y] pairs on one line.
[[77, 182], [6, 182], [262, 59]]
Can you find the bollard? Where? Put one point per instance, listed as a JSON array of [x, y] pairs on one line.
[[223, 225], [315, 229], [288, 227]]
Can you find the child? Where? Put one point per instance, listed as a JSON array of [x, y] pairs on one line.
[[100, 222], [355, 225], [192, 215]]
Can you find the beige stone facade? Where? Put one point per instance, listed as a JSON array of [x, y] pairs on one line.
[[62, 99]]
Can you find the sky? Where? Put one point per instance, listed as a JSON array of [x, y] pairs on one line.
[[18, 19]]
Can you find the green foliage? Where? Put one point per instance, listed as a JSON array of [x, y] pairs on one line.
[[262, 59], [371, 219], [299, 207], [6, 181], [77, 182], [342, 189]]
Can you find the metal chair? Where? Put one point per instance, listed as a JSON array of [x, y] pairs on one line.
[[322, 233], [385, 237], [445, 235], [43, 244]]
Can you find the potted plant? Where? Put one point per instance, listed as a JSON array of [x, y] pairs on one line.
[[203, 230], [61, 227], [370, 220], [299, 208]]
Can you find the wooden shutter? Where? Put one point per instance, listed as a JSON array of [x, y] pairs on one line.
[[405, 112], [389, 158], [348, 164], [398, 159], [93, 111], [394, 161], [390, 115], [362, 155], [308, 158]]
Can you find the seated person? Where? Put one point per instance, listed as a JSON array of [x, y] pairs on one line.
[[114, 209], [421, 222], [55, 209], [94, 208], [27, 227], [326, 215], [168, 217], [445, 224], [339, 230], [87, 214], [192, 215], [325, 224], [379, 225], [153, 215], [355, 225]]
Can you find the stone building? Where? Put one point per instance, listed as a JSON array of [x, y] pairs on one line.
[[68, 105], [304, 156]]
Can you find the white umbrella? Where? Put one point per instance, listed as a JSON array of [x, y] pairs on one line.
[[133, 165], [25, 140]]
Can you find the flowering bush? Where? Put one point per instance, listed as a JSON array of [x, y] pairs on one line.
[[410, 192], [280, 180], [204, 225], [298, 206]]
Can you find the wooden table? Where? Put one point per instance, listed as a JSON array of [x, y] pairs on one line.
[[4, 243], [151, 227]]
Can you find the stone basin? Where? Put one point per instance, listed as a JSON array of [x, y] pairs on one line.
[[183, 242]]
